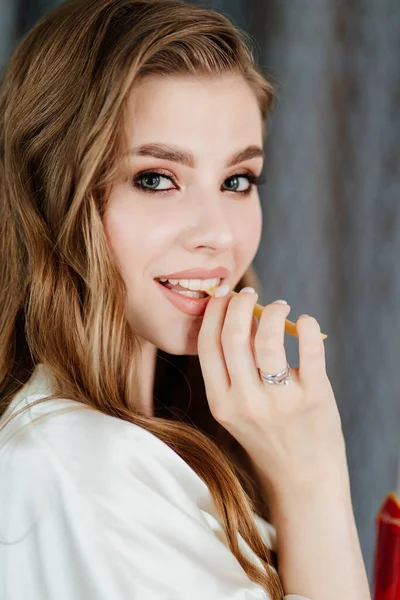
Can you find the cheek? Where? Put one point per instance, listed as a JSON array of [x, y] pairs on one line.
[[115, 232], [134, 241], [125, 238], [249, 234]]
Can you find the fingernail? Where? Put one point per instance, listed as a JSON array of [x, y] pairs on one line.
[[222, 290], [304, 316], [280, 302], [248, 290]]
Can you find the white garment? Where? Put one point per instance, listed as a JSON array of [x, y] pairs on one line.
[[95, 508]]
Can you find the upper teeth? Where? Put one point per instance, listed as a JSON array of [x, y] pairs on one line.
[[194, 284]]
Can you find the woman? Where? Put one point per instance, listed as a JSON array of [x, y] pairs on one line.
[[131, 149]]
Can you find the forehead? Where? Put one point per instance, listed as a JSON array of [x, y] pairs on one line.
[[201, 110]]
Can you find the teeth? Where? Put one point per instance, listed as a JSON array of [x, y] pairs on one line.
[[190, 293], [194, 284]]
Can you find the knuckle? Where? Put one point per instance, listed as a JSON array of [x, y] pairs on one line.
[[272, 318], [235, 337], [203, 346], [314, 349], [205, 338], [267, 346]]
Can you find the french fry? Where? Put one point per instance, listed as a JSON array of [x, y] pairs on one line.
[[290, 327]]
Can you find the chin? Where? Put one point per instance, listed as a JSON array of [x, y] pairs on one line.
[[180, 343], [189, 347]]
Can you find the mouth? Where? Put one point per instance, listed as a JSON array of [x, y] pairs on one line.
[[191, 302], [188, 293]]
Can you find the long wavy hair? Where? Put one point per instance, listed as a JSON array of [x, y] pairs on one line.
[[63, 99]]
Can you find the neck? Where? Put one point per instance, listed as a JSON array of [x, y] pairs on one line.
[[146, 371]]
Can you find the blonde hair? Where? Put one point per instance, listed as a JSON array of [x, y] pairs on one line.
[[62, 103]]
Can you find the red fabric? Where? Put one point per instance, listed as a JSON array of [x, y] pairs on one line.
[[387, 552]]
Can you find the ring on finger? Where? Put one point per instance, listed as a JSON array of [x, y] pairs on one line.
[[282, 378]]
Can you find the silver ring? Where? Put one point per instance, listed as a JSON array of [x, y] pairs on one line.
[[282, 378]]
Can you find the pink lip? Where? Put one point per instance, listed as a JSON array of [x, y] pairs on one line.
[[196, 307], [220, 272]]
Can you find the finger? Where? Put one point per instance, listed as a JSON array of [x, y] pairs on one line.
[[209, 346], [270, 337], [254, 327], [236, 340], [311, 350]]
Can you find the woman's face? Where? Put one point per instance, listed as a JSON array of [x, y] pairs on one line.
[[191, 216]]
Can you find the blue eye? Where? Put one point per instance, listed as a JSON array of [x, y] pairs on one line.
[[150, 181], [251, 180]]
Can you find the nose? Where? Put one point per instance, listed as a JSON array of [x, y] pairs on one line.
[[211, 223]]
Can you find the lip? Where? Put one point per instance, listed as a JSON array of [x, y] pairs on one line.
[[196, 307], [220, 272]]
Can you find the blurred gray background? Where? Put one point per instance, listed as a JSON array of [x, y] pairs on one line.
[[331, 204]]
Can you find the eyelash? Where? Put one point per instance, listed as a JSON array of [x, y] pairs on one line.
[[252, 179]]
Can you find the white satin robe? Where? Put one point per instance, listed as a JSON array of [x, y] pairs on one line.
[[96, 508]]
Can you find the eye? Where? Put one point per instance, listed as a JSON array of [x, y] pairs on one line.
[[236, 185], [150, 182], [154, 182]]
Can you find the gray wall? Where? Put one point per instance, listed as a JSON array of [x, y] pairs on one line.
[[331, 207]]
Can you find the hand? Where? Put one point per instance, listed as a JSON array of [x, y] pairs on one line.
[[292, 433]]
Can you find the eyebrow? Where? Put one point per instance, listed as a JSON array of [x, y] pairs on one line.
[[181, 155]]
